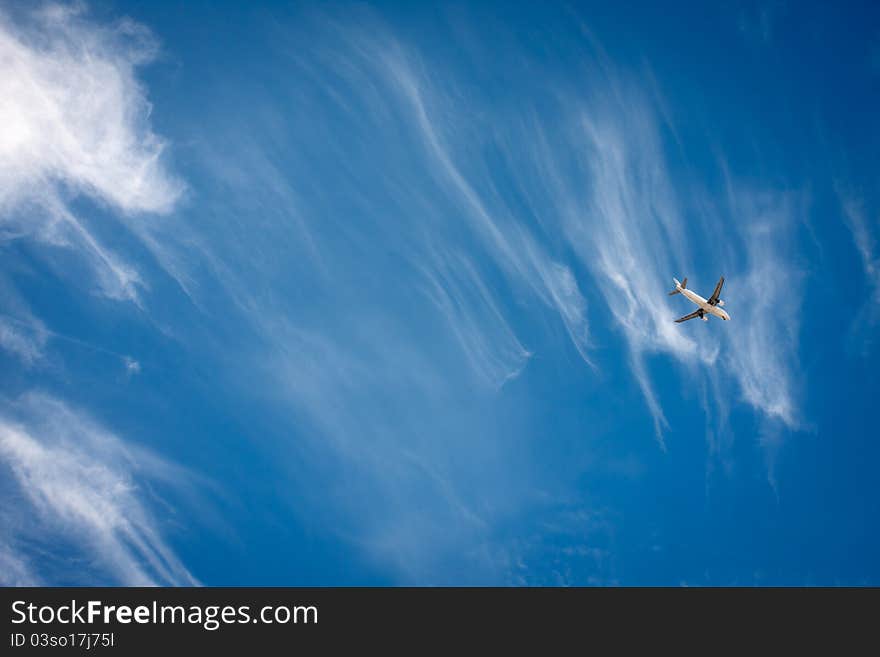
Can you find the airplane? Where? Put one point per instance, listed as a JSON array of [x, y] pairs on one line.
[[710, 306]]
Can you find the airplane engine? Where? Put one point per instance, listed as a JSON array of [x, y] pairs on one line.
[[720, 302], [705, 318]]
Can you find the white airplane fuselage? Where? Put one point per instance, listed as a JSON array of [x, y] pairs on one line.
[[702, 303]]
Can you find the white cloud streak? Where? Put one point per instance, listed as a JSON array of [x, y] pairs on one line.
[[633, 232], [21, 334], [25, 343], [84, 487], [490, 345], [14, 569], [509, 242], [763, 351], [865, 241], [629, 234]]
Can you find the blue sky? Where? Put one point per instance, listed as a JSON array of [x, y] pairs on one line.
[[346, 294]]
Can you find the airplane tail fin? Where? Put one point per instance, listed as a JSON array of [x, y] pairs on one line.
[[679, 286]]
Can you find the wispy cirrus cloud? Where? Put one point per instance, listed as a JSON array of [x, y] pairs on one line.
[[24, 340], [508, 241], [629, 232], [487, 340], [21, 334], [635, 225], [76, 124], [80, 490], [857, 218], [14, 570], [763, 352]]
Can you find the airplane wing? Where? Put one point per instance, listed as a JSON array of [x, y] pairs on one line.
[[717, 293], [696, 313]]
